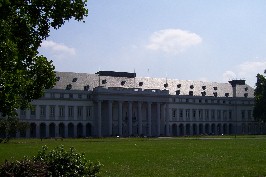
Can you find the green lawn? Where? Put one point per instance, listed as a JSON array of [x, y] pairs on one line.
[[243, 156]]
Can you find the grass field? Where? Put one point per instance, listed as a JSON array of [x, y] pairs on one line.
[[243, 156]]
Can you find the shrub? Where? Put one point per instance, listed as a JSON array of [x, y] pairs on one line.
[[57, 162], [67, 163], [23, 168]]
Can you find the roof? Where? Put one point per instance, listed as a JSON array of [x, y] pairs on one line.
[[81, 81]]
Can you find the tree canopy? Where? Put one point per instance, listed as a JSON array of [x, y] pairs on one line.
[[24, 24], [259, 111]]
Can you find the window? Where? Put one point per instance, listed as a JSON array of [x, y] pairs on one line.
[[194, 113], [213, 114], [52, 95], [33, 111], [88, 111], [206, 114], [173, 113], [80, 111], [188, 113], [200, 114], [225, 114], [230, 115], [80, 96], [181, 113], [42, 111], [61, 95], [219, 114], [243, 115], [61, 111], [249, 114], [70, 111], [52, 111], [22, 112]]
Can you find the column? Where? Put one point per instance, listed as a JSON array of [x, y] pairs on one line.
[[129, 118], [140, 118], [47, 129], [149, 118], [164, 117], [66, 130], [158, 119], [120, 114], [84, 129], [167, 120], [99, 118], [110, 113]]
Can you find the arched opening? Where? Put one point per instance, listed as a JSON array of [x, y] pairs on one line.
[[33, 130], [200, 129], [62, 130], [213, 129], [88, 130], [219, 129], [181, 130], [243, 128], [71, 130], [194, 129], [174, 130], [225, 129], [187, 129], [80, 130], [207, 129], [52, 130], [42, 130], [230, 129]]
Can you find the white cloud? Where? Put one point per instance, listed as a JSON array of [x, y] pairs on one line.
[[228, 75], [246, 70], [58, 50], [172, 41]]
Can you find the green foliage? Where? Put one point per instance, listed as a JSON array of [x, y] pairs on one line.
[[24, 75], [57, 162], [9, 126], [23, 168], [67, 163], [259, 111]]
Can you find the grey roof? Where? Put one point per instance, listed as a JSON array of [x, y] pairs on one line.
[[79, 80]]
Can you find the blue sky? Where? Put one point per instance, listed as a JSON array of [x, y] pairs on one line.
[[208, 40]]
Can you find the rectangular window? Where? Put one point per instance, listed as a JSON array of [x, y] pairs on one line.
[[200, 114], [206, 114], [181, 113], [225, 114], [33, 111], [88, 111], [52, 111], [219, 114], [70, 111], [213, 114], [23, 112], [80, 111], [70, 95], [194, 113], [249, 114], [230, 115], [79, 96], [61, 111], [61, 95], [52, 95], [188, 113], [173, 113], [243, 114], [42, 111]]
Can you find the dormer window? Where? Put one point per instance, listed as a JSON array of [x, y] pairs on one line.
[[215, 88], [177, 92], [140, 84], [104, 81], [178, 85], [215, 94], [165, 85], [190, 93], [204, 87], [123, 82], [203, 93], [86, 87], [58, 78], [75, 79], [226, 94], [191, 86], [69, 87]]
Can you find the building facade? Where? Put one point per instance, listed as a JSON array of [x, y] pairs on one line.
[[120, 104]]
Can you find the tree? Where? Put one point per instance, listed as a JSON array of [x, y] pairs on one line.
[[24, 24], [259, 111]]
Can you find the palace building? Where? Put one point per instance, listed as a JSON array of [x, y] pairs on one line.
[[112, 103]]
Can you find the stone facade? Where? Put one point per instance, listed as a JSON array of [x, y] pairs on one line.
[[91, 105]]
